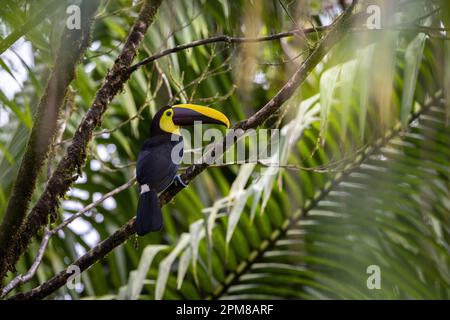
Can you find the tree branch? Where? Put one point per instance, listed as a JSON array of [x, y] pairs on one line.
[[336, 33], [224, 39], [73, 44], [286, 34], [92, 205], [66, 171], [21, 279]]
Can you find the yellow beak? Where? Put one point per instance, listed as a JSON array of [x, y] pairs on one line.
[[187, 114]]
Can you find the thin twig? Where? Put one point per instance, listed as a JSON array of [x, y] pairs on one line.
[[203, 74], [330, 167], [242, 40], [225, 65], [165, 81], [300, 30], [21, 279], [223, 38], [118, 11], [92, 205]]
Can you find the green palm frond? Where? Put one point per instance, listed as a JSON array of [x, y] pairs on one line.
[[384, 205], [392, 211]]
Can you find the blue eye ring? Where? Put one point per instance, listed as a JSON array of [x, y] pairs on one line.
[[168, 113]]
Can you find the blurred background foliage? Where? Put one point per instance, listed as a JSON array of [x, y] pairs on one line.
[[365, 151]]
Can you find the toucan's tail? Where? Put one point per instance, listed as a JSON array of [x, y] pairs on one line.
[[149, 215]]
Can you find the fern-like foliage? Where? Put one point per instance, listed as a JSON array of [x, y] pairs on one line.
[[369, 191]]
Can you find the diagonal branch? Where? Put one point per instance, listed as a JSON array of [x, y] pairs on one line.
[[276, 36], [72, 46], [242, 40], [21, 279], [66, 171], [336, 33], [225, 39]]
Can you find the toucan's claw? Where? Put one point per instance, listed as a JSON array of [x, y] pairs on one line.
[[179, 182]]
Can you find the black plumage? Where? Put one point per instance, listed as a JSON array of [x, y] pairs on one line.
[[159, 158], [156, 169]]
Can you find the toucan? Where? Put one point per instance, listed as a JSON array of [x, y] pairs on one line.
[[156, 167]]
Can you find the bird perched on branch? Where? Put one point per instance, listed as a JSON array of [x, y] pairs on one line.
[[158, 160]]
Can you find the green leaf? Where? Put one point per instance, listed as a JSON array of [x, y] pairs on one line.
[[183, 266], [197, 232], [240, 201], [413, 60], [26, 26], [7, 154], [366, 59], [447, 79], [127, 101], [347, 80], [328, 84], [136, 283], [166, 264], [24, 116]]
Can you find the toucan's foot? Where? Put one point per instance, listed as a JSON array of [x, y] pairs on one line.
[[179, 182]]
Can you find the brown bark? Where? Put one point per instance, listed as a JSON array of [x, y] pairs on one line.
[[73, 44], [70, 166]]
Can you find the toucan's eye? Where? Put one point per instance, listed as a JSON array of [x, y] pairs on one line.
[[168, 113]]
